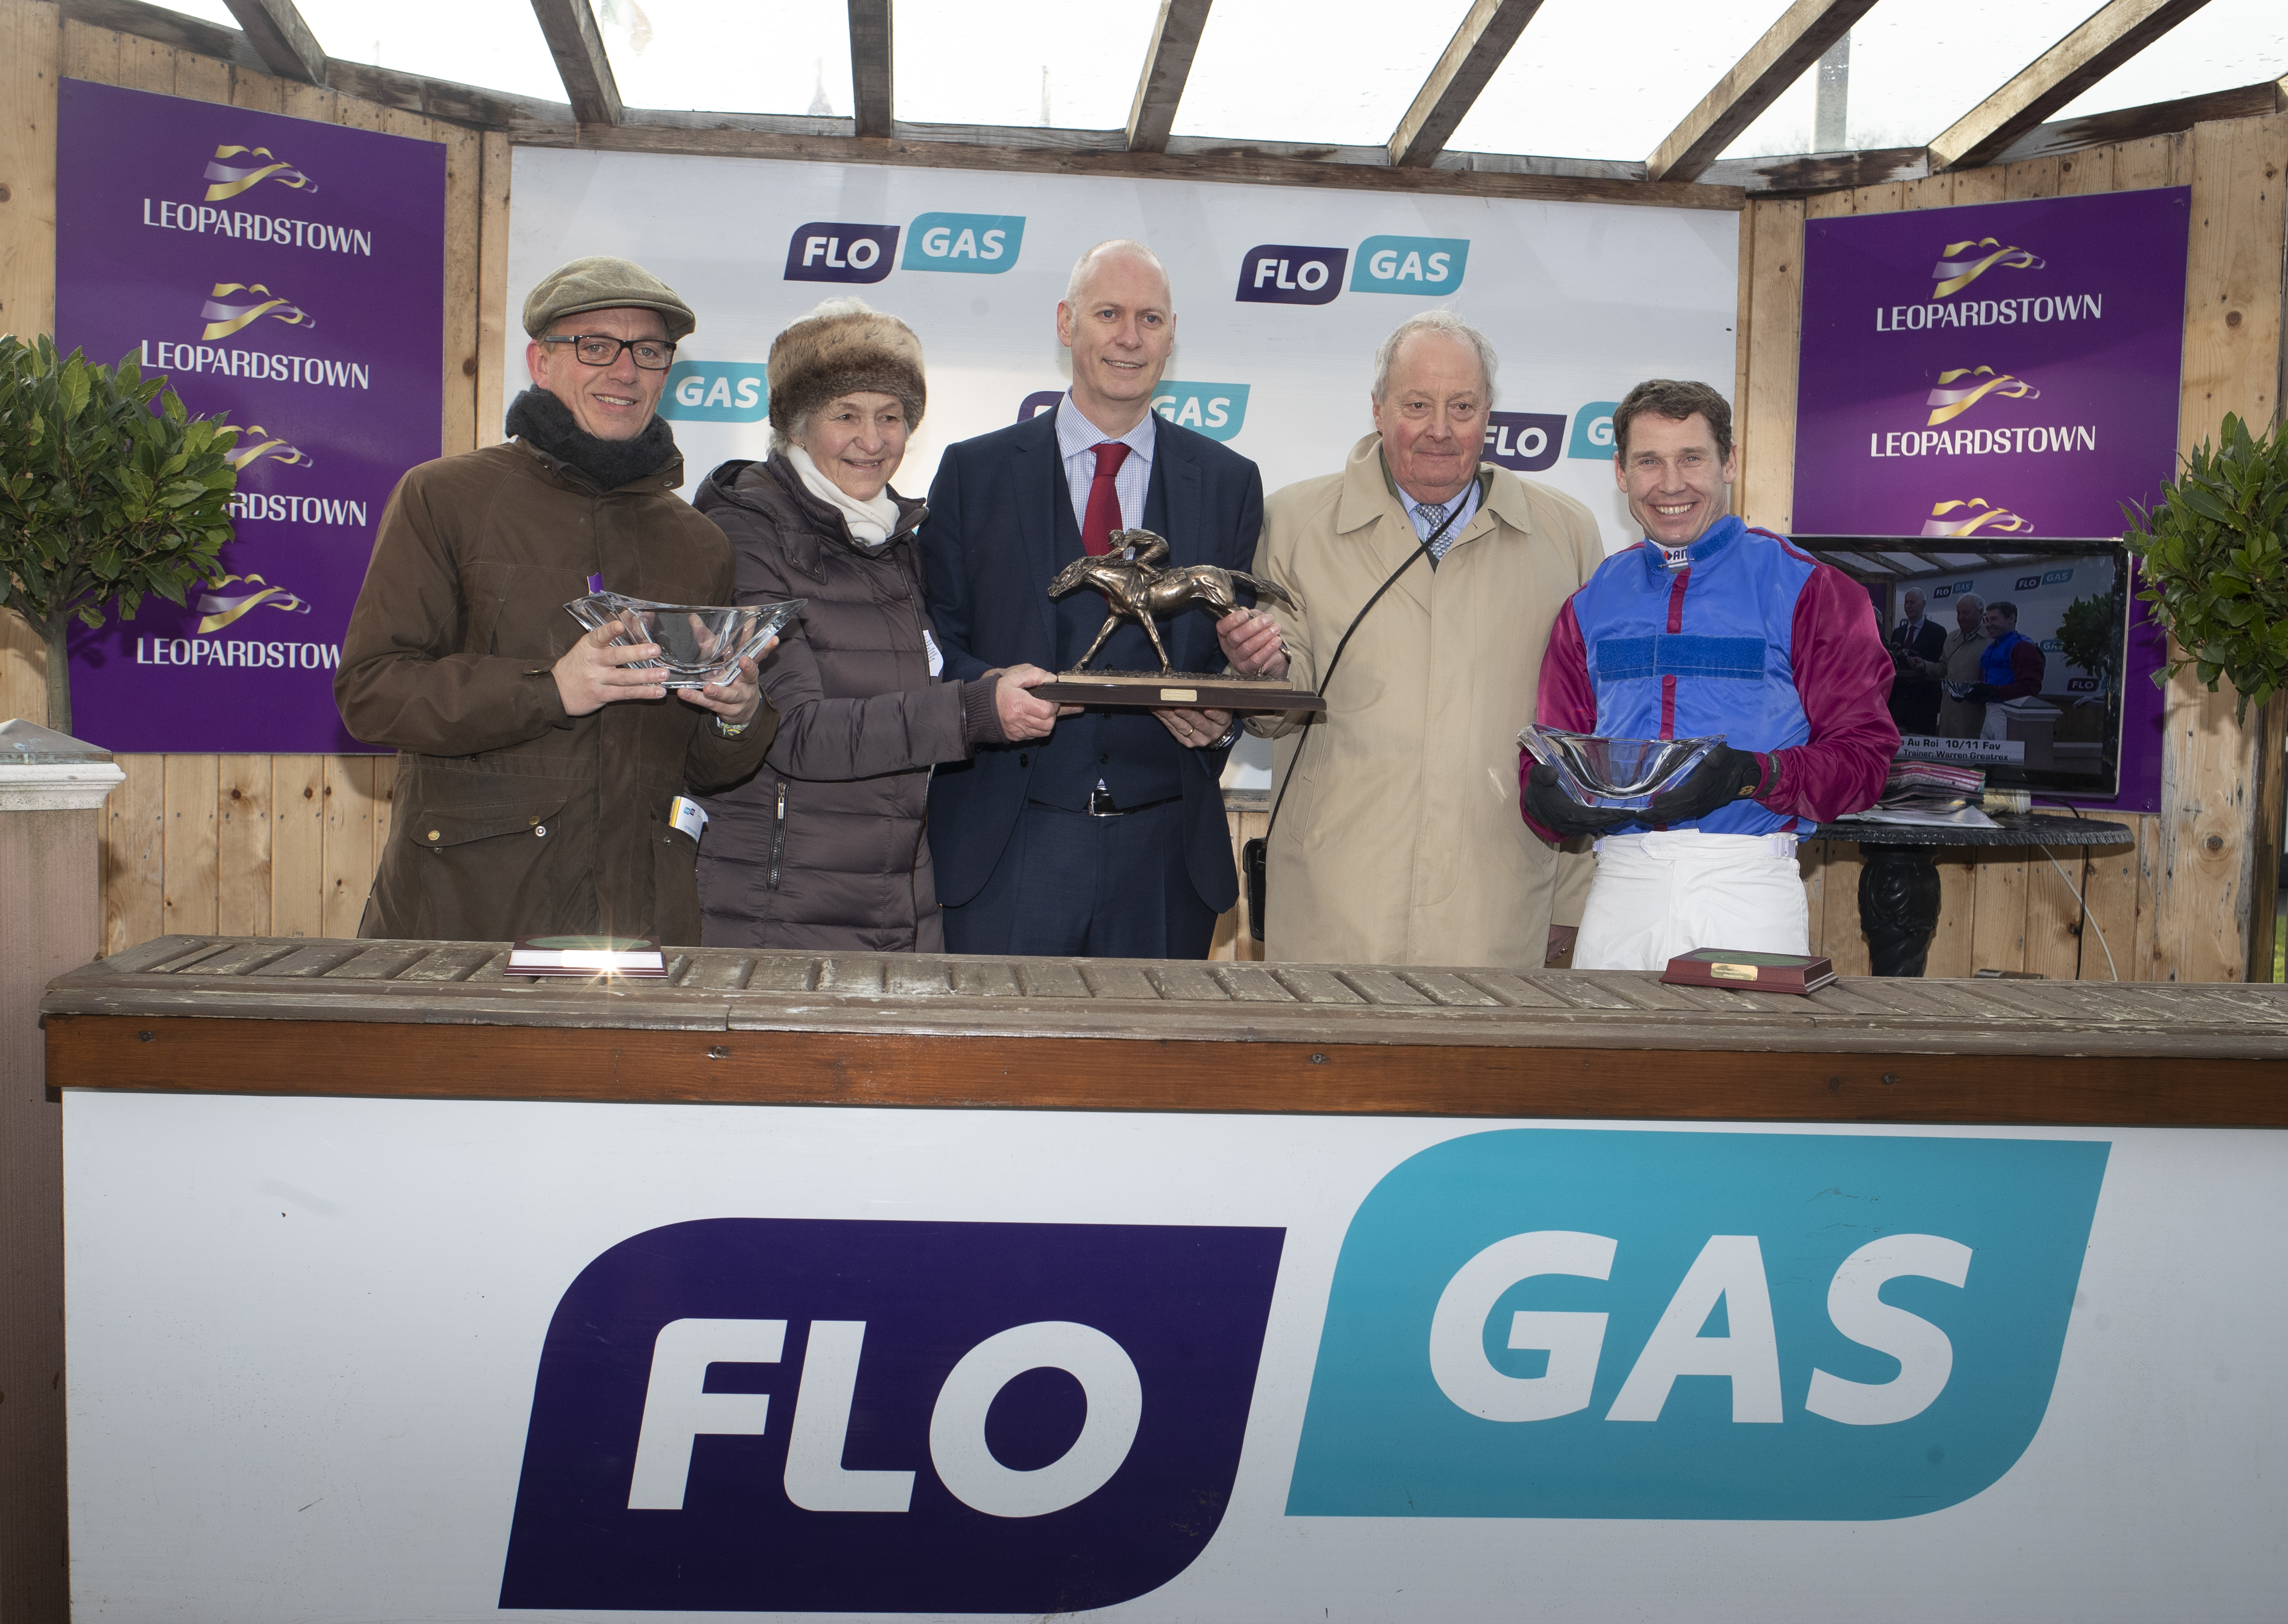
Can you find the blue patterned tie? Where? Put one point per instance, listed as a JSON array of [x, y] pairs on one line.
[[1434, 514]]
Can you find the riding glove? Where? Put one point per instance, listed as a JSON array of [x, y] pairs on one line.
[[1545, 801], [1725, 776]]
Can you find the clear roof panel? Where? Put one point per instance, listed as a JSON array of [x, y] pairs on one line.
[[1570, 90], [1342, 72], [1915, 69], [487, 43], [723, 56], [1039, 62], [2225, 44]]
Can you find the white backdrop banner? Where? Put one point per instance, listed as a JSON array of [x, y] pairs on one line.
[[1282, 295]]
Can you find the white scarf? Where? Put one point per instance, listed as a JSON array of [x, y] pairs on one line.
[[870, 522]]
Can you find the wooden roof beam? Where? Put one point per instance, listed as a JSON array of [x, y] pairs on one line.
[[1167, 65], [1489, 29], [282, 39], [1789, 47], [569, 27], [2114, 33], [870, 66]]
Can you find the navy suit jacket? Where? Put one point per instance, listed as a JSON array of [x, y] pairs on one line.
[[990, 548]]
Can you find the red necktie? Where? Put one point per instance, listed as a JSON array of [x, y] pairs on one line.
[[1103, 514]]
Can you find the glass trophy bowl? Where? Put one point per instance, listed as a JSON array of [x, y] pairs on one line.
[[1626, 773], [699, 644]]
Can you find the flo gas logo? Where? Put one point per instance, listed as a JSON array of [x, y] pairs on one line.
[[750, 1414], [983, 244], [1525, 442], [1216, 410], [838, 252], [1771, 1327], [1300, 273], [1592, 431], [1431, 266], [716, 391], [1290, 274], [842, 252]]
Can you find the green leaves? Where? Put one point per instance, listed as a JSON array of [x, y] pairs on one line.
[[103, 499], [2215, 557]]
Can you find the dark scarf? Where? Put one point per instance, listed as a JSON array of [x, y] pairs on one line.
[[541, 419]]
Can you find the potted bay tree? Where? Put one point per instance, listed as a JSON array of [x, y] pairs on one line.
[[2214, 554], [110, 491]]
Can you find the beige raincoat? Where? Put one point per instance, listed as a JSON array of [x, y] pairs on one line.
[[1400, 842]]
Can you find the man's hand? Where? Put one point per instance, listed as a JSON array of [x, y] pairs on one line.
[[736, 701], [1543, 800], [1725, 776], [594, 674], [1022, 715], [1195, 729], [1251, 644]]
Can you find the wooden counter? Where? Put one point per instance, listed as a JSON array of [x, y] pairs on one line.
[[817, 1285], [253, 1015]]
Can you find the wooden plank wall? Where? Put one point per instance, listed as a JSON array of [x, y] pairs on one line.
[[286, 845], [2187, 902], [281, 844]]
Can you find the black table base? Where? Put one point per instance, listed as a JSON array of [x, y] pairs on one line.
[[1898, 907], [1898, 887]]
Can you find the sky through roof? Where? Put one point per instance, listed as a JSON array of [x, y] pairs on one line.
[[1585, 80]]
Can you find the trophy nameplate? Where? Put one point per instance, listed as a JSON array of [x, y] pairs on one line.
[[1137, 588], [1179, 690]]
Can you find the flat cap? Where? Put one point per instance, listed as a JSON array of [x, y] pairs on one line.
[[602, 282]]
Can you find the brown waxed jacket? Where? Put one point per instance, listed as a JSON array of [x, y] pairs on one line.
[[512, 818]]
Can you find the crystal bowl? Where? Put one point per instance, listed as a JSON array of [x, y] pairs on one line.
[[699, 644], [1595, 771]]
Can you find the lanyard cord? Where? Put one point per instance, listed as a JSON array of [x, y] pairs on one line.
[[1427, 543]]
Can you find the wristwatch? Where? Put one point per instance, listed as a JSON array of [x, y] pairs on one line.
[[1230, 736]]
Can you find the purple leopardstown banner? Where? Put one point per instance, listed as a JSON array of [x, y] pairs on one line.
[[2000, 371], [289, 277]]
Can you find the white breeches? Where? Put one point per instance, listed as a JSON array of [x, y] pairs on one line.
[[1659, 894]]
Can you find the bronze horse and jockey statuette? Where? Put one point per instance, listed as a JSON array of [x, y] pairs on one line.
[[1137, 589], [1137, 586]]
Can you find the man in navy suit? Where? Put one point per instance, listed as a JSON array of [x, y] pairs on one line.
[[1108, 837], [1917, 645]]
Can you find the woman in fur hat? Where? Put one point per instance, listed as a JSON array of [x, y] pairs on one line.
[[822, 848]]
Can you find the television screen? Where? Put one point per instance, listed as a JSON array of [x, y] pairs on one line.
[[2015, 663]]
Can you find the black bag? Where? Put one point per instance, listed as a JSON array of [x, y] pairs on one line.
[[1255, 855]]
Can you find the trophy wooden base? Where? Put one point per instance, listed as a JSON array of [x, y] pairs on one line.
[[1176, 691]]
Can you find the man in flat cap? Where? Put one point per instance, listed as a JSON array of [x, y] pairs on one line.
[[537, 771]]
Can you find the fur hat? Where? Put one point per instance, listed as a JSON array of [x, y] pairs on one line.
[[844, 347]]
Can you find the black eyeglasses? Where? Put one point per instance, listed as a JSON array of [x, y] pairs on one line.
[[602, 350]]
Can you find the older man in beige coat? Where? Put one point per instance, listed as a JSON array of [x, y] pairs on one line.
[[1399, 840]]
